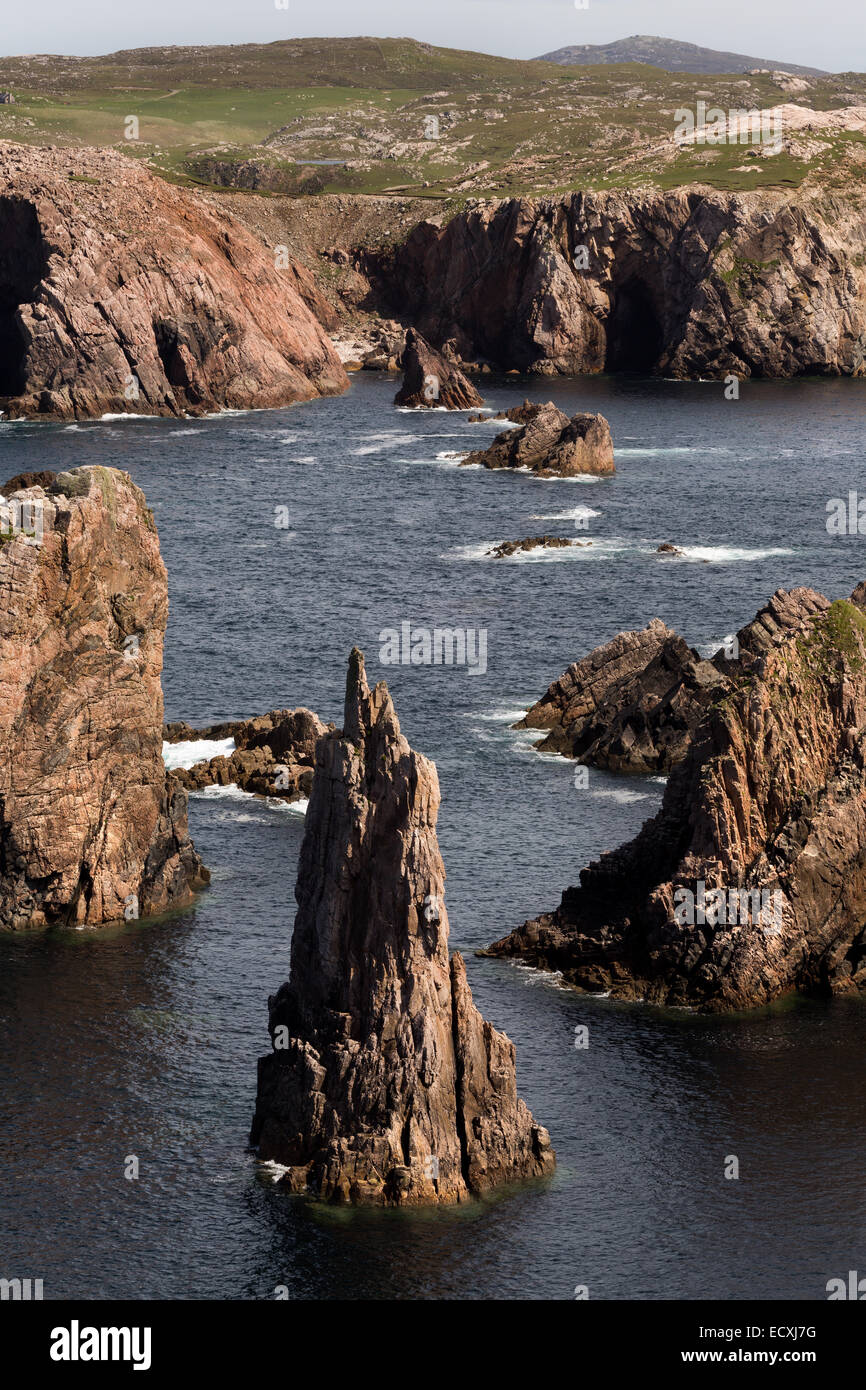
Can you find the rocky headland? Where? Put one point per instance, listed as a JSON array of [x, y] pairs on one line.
[[385, 1085], [750, 882], [92, 828], [274, 753], [550, 444], [122, 293]]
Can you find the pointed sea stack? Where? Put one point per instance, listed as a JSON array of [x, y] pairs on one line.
[[430, 380], [385, 1084], [92, 828]]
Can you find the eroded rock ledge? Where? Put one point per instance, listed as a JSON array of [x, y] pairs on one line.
[[273, 755], [92, 828], [767, 812], [385, 1084], [121, 293], [633, 704]]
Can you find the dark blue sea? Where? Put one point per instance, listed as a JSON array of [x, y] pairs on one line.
[[143, 1040]]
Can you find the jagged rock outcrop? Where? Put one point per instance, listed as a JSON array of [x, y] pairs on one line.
[[631, 705], [505, 549], [689, 283], [274, 753], [751, 880], [551, 444], [385, 1084], [430, 380], [122, 293], [92, 828]]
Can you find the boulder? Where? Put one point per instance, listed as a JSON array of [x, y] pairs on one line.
[[551, 444]]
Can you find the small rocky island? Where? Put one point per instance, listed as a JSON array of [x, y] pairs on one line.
[[431, 381], [92, 827], [550, 444], [750, 881], [273, 754], [385, 1085]]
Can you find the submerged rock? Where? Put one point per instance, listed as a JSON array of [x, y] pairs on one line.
[[430, 380], [550, 444], [506, 548], [385, 1085], [92, 828], [750, 882], [273, 755]]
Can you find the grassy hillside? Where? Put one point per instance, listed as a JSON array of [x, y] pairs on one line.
[[377, 115]]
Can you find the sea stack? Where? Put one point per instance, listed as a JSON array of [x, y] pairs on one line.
[[92, 829], [385, 1085], [431, 381], [750, 882], [550, 444]]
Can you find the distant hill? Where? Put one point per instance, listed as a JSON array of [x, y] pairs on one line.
[[669, 54]]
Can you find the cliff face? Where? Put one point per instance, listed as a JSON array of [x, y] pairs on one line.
[[92, 829], [385, 1084], [751, 880], [686, 283], [119, 292]]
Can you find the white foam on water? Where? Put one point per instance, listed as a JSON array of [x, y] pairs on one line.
[[198, 750], [578, 513], [731, 554], [232, 792], [622, 795], [129, 415], [452, 454]]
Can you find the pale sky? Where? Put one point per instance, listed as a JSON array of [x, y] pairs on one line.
[[829, 35]]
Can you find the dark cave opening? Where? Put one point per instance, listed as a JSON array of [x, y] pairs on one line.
[[634, 330], [22, 266]]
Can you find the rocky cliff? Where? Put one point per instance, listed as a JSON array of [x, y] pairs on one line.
[[751, 880], [686, 283], [120, 292], [385, 1085], [92, 829]]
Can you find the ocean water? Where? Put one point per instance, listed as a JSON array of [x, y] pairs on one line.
[[142, 1040]]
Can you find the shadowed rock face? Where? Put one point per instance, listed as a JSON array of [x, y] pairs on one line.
[[633, 704], [551, 444], [119, 292], [630, 705], [430, 380], [769, 805], [686, 283], [385, 1084], [92, 828]]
